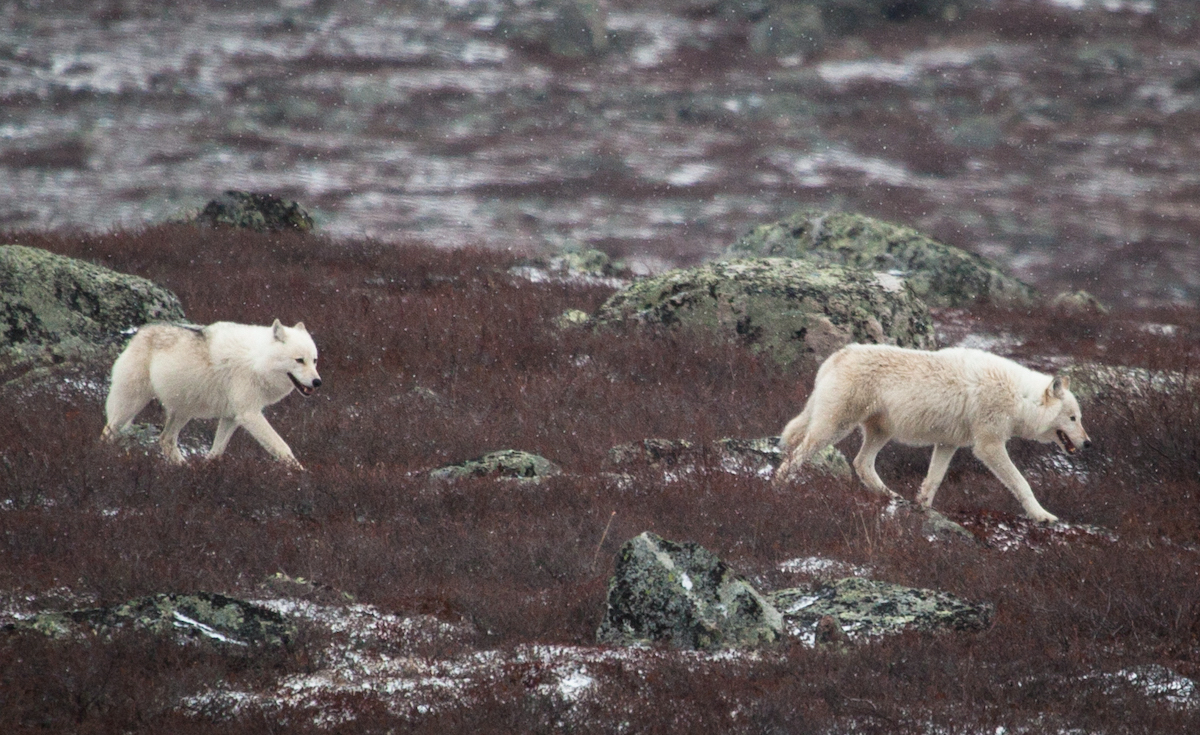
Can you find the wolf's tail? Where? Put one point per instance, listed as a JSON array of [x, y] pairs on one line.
[[789, 440], [795, 430]]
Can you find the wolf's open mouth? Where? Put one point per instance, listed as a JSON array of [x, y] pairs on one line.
[[1066, 442], [307, 390]]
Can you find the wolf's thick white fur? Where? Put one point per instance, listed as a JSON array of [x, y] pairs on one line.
[[949, 399], [224, 371]]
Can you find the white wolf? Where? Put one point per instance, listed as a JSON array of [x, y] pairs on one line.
[[223, 371], [950, 398]]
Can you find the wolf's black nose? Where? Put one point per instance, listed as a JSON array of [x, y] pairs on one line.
[[1087, 443], [317, 384]]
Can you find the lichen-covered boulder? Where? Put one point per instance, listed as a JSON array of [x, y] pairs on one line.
[[202, 615], [794, 310], [511, 463], [865, 607], [942, 275], [684, 596], [255, 211], [49, 299]]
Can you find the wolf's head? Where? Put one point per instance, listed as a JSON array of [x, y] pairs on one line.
[[296, 354], [1066, 424]]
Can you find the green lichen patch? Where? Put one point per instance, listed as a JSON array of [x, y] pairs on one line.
[[793, 310], [941, 275]]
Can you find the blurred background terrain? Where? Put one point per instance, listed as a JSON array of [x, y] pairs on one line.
[[1058, 137]]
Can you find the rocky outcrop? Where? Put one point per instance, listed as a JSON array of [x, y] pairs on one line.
[[202, 615], [864, 607], [684, 596], [504, 463], [48, 299], [251, 210], [794, 310], [941, 275]]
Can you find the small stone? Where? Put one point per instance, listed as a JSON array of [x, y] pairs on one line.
[[510, 463]]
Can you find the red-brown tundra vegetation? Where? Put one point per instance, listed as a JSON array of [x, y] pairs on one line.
[[432, 356]]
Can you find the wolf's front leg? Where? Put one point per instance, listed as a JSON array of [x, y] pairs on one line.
[[995, 456], [265, 434]]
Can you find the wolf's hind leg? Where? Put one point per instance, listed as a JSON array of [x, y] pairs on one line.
[[126, 400], [874, 439], [169, 439], [820, 434], [225, 428], [938, 464]]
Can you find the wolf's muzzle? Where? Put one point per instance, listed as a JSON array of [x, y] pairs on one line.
[[305, 390]]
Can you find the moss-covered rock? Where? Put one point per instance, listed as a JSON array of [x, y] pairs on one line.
[[203, 615], [942, 275], [684, 596], [504, 463], [255, 211], [865, 607], [48, 299], [794, 310]]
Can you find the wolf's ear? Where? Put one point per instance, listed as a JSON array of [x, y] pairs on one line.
[[300, 326], [277, 331], [1057, 389]]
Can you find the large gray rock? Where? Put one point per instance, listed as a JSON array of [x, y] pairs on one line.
[[511, 463], [201, 615], [865, 607], [942, 275], [48, 299], [684, 596], [794, 310]]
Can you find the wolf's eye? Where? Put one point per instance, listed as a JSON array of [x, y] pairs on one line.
[[1072, 418], [301, 361]]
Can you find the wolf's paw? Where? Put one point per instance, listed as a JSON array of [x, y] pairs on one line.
[[1044, 518]]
